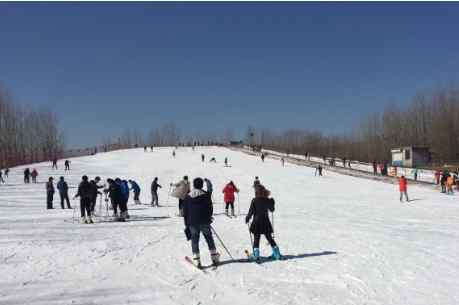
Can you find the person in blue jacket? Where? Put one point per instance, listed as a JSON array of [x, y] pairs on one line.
[[124, 197], [136, 189]]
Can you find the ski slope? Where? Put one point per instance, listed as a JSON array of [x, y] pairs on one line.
[[346, 240]]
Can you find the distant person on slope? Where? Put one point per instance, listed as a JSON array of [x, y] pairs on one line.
[[1, 177], [444, 178], [136, 189], [54, 163], [261, 225], [85, 194], [228, 197], [262, 157], [226, 161], [154, 192], [197, 213], [7, 171], [173, 153], [181, 189], [63, 192], [49, 193], [34, 175], [27, 175], [67, 165], [403, 186], [202, 157]]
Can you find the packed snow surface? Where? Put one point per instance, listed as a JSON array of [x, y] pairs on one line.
[[345, 240]]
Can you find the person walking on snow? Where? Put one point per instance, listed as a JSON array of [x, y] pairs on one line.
[[67, 165], [154, 192], [49, 193], [34, 175], [181, 189], [403, 188], [136, 189], [261, 225], [54, 163], [209, 187], [226, 161], [228, 197], [197, 216], [63, 189], [85, 194]]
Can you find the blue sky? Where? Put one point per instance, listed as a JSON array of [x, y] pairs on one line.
[[104, 67]]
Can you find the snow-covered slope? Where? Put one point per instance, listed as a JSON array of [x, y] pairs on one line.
[[346, 240]]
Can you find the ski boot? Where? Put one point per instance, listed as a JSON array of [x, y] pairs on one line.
[[197, 261], [276, 254], [215, 257], [232, 213], [83, 220], [90, 219], [227, 212], [255, 256]]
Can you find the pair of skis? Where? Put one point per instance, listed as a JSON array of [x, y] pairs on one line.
[[201, 268]]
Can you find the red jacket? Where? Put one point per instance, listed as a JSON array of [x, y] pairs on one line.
[[228, 192], [402, 184]]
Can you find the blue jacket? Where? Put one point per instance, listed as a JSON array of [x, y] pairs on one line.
[[62, 186], [135, 187], [124, 189]]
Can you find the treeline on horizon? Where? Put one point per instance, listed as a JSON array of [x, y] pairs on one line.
[[27, 135]]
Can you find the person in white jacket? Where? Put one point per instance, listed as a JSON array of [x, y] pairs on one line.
[[181, 189]]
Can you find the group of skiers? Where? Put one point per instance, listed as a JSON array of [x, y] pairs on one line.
[[30, 174], [447, 180]]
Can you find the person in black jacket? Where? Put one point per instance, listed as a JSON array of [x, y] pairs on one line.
[[197, 213], [49, 193], [259, 209], [154, 192], [85, 193], [115, 195]]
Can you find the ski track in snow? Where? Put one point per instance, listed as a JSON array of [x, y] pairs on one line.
[[346, 240]]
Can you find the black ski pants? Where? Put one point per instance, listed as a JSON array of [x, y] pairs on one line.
[[85, 206], [65, 197], [256, 240]]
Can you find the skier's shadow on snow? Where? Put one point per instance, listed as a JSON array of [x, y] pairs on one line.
[[284, 258]]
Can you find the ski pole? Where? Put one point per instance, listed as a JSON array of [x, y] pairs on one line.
[[218, 237]]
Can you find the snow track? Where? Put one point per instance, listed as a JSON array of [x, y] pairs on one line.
[[346, 240]]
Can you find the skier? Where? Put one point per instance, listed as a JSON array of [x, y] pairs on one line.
[[115, 195], [85, 194], [449, 185], [259, 209], [444, 178], [27, 175], [154, 192], [136, 189], [282, 161], [209, 187], [228, 197], [34, 175], [318, 170], [1, 177], [49, 193], [124, 196], [7, 171], [55, 163], [202, 157], [226, 161], [173, 153], [403, 188], [67, 165], [63, 192], [181, 189], [145, 149], [197, 213], [375, 168], [262, 157], [94, 192]]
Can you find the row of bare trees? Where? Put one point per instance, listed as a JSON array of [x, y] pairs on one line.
[[430, 120], [27, 135]]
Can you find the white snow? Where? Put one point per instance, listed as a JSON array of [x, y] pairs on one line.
[[346, 240]]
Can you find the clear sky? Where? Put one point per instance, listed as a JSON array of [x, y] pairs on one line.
[[104, 67]]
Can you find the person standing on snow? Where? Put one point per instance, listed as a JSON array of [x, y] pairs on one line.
[[54, 163], [449, 185], [7, 171], [125, 197], [209, 187], [27, 175], [34, 175], [85, 194], [282, 161], [136, 189], [261, 225], [228, 192], [114, 191], [197, 215], [1, 177], [202, 157], [49, 193], [262, 157], [173, 153], [67, 165], [94, 192], [226, 161], [437, 177], [63, 192], [444, 178], [154, 192], [403, 185], [181, 189]]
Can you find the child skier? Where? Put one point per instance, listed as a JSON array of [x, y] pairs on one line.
[[228, 197], [259, 209], [403, 188]]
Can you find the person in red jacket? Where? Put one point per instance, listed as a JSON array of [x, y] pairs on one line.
[[403, 188], [228, 192]]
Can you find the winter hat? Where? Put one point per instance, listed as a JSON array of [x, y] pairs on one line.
[[198, 183]]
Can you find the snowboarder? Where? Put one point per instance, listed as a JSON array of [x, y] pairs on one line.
[[49, 193], [67, 165], [136, 189], [34, 175], [202, 157], [403, 185], [54, 163], [228, 197], [85, 194], [209, 187], [197, 213], [154, 192], [63, 189], [259, 209], [27, 175], [181, 189]]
